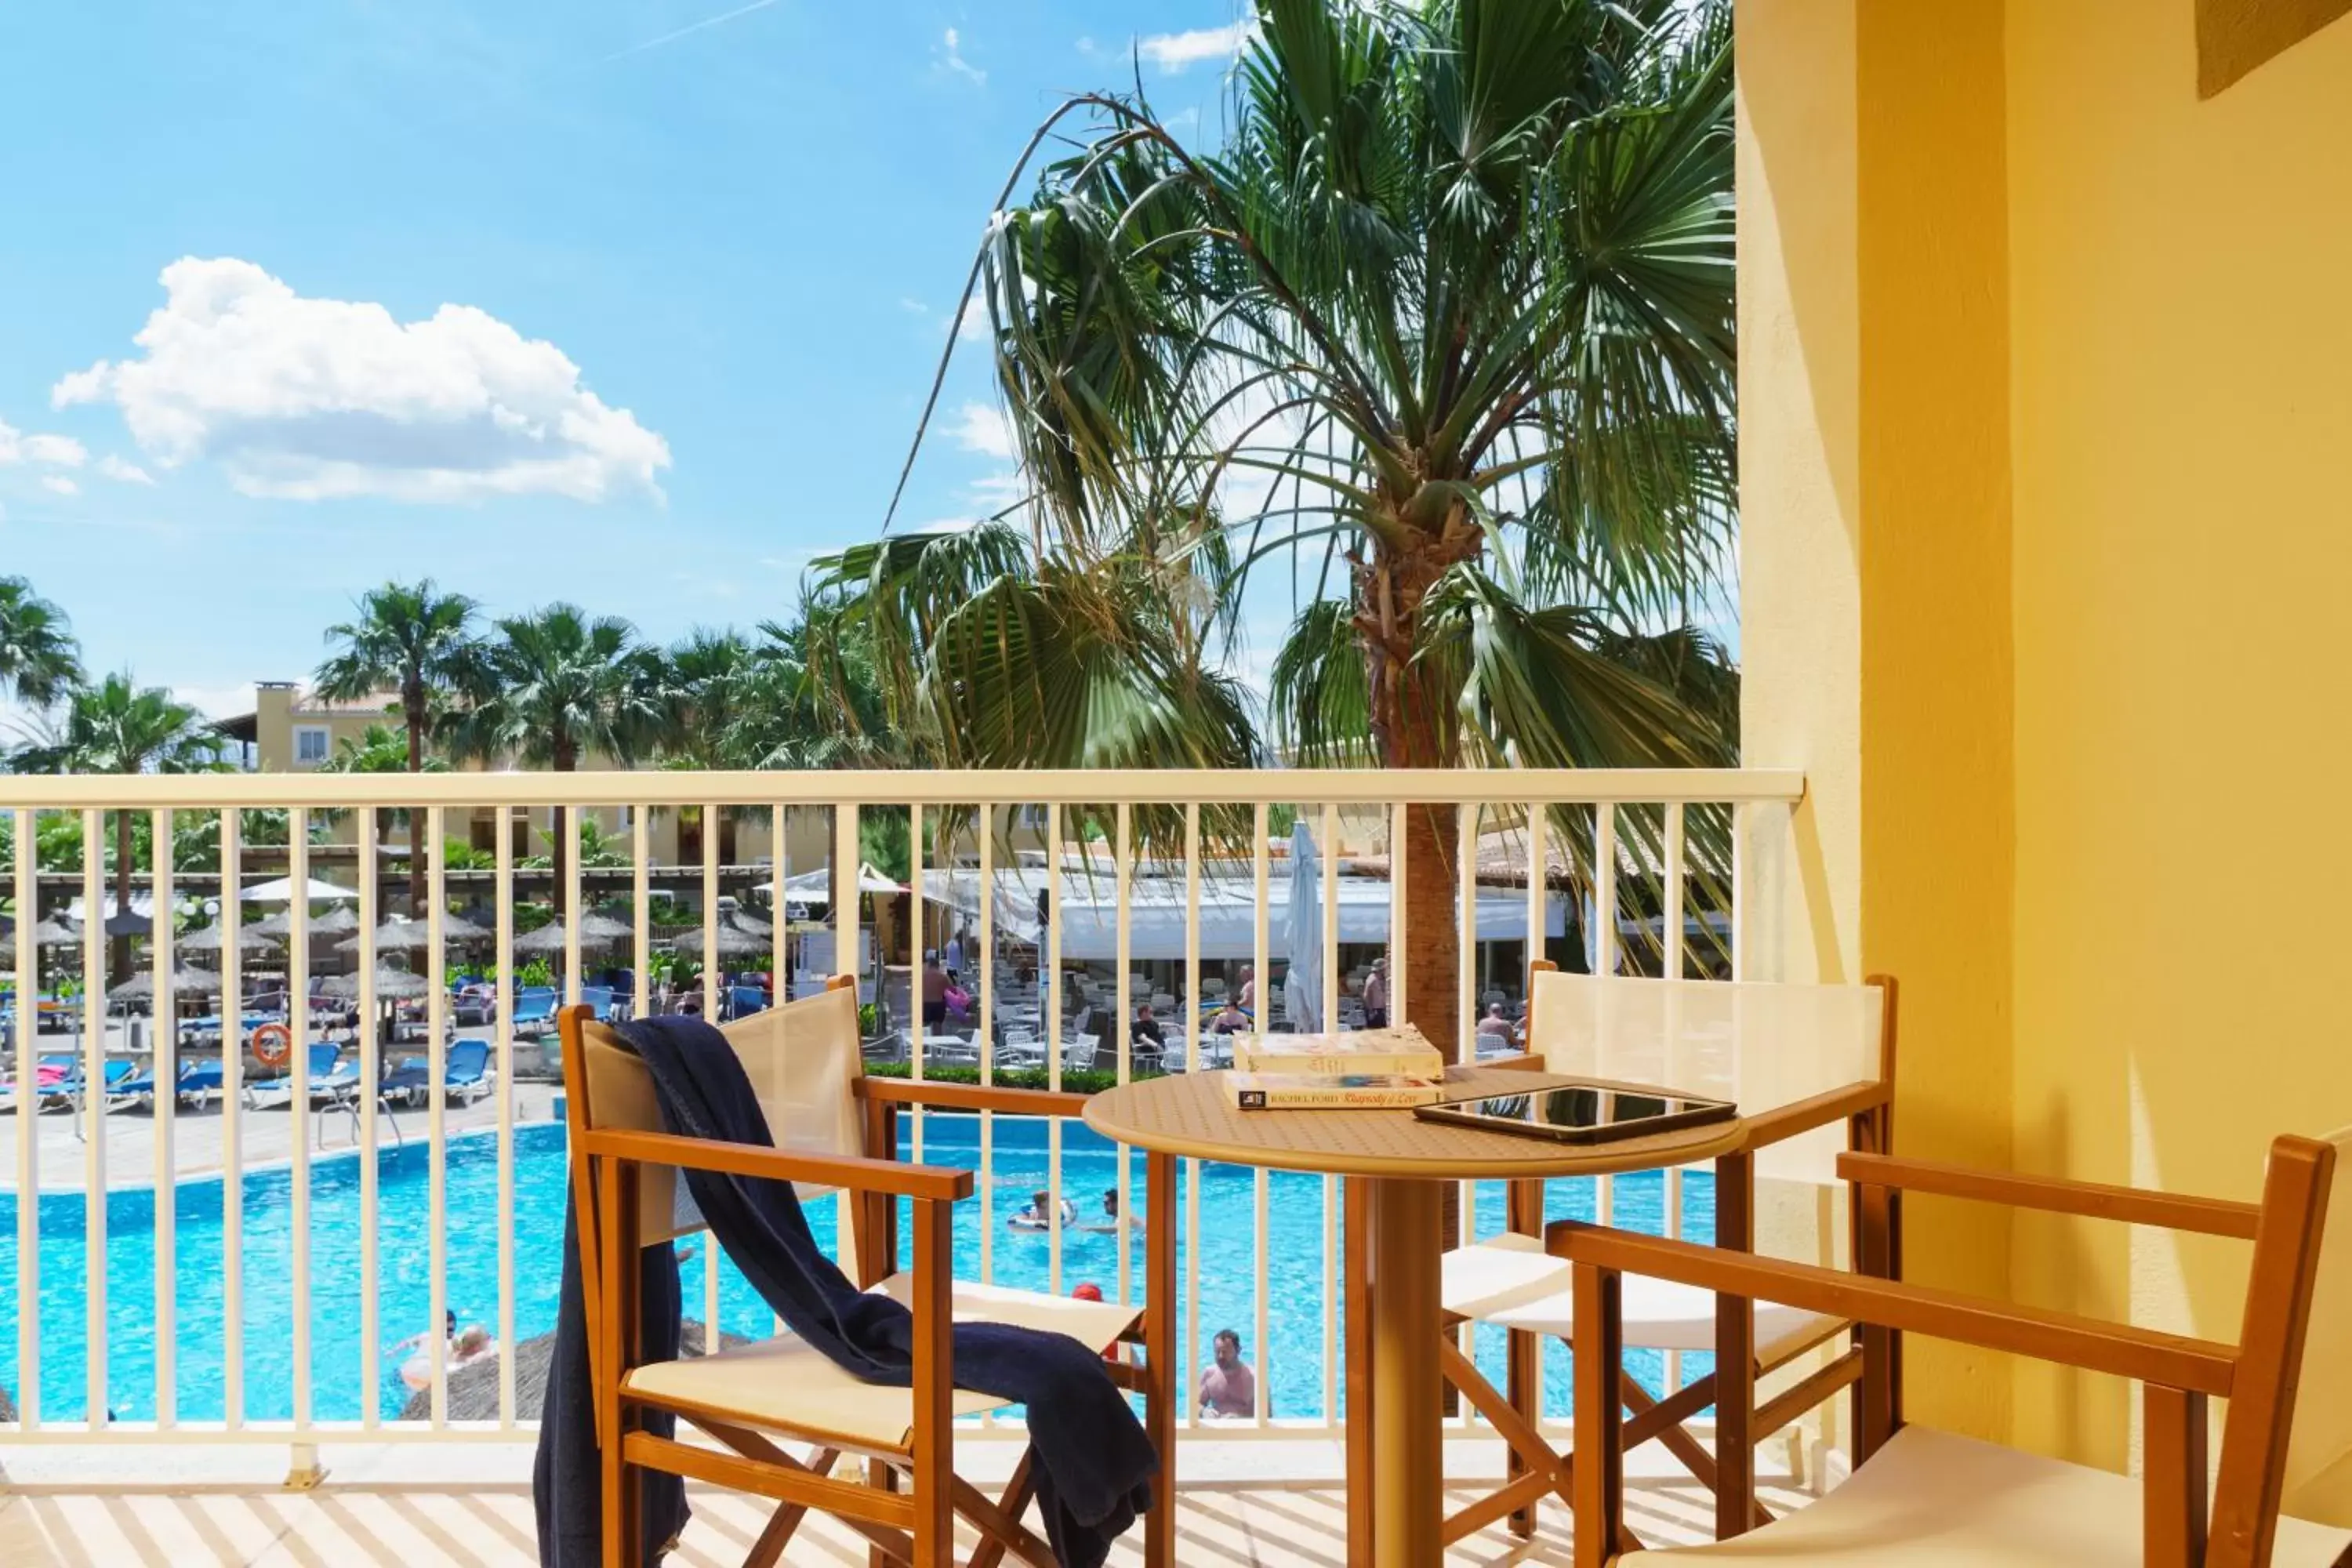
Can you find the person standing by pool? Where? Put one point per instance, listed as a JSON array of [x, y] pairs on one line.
[[1376, 994], [1249, 988], [1228, 1386], [935, 991]]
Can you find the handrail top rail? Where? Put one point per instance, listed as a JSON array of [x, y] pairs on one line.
[[912, 786]]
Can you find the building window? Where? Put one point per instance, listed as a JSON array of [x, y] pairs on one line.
[[310, 744], [1030, 817]]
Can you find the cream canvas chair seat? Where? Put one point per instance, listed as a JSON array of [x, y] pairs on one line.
[[1931, 1499], [1810, 1066], [1510, 1281], [786, 1386]]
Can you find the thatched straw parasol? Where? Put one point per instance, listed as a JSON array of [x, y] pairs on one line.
[[413, 936], [208, 939], [141, 986], [596, 931], [391, 986], [734, 941]]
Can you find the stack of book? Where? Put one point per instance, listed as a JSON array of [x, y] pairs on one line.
[[1364, 1069]]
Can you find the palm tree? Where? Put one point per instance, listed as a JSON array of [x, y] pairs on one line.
[[415, 640], [382, 749], [1448, 323], [39, 660], [120, 727], [557, 686]]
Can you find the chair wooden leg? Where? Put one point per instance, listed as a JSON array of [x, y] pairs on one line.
[[1000, 1526], [1600, 1481], [1012, 1505], [769, 1549], [1524, 1367], [882, 1478]]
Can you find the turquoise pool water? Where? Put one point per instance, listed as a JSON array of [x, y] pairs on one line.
[[1292, 1361]]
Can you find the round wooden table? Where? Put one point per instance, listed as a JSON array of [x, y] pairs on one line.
[[1402, 1164]]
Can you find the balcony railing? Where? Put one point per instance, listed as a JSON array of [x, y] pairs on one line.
[[233, 1276]]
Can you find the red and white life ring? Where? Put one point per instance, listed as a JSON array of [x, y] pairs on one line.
[[273, 1045]]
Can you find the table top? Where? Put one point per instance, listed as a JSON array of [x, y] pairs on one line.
[[1192, 1115]]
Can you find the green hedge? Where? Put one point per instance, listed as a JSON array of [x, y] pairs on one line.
[[1093, 1080]]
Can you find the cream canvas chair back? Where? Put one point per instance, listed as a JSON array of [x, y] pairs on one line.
[[804, 1062], [2318, 1484], [1758, 1044]]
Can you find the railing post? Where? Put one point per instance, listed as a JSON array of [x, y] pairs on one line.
[[304, 1473]]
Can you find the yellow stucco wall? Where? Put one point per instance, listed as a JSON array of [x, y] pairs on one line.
[[2043, 386], [2180, 396]]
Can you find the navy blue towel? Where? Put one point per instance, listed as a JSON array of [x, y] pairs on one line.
[[1095, 1464], [567, 1490]]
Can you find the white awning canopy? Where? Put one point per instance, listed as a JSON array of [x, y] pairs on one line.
[[1089, 912]]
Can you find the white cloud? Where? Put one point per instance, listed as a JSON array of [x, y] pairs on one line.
[[953, 59], [1173, 52], [972, 323], [307, 399], [982, 428], [54, 451], [60, 484], [115, 468], [217, 702]]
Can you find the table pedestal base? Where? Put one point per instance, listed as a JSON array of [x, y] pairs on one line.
[[1408, 1487]]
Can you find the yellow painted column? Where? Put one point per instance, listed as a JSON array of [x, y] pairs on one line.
[[1875, 561]]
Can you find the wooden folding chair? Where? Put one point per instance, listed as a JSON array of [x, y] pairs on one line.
[[835, 1130], [1816, 1056], [1924, 1499]]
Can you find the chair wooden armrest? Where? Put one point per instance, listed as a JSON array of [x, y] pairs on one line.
[[1824, 1109], [971, 1097], [934, 1184], [2196, 1366], [2092, 1200]]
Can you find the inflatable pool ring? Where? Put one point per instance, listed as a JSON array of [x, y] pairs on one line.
[[1027, 1220], [273, 1045]]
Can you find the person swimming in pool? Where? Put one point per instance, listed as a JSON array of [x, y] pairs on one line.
[[465, 1347], [1043, 1214], [1109, 1224]]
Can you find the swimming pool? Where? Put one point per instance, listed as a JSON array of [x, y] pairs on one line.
[[1291, 1361]]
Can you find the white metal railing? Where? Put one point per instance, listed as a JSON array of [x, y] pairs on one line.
[[267, 1322]]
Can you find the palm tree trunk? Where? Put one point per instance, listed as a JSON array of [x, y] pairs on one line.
[[1412, 736], [412, 704], [119, 960], [565, 758]]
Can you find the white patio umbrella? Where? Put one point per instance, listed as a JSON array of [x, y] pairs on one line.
[[282, 890], [1302, 988]]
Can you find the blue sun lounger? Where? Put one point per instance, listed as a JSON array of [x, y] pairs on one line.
[[466, 1073], [534, 1011]]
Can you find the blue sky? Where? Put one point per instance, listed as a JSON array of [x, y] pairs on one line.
[[632, 303]]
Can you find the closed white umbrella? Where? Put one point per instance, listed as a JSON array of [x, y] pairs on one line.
[[1302, 988]]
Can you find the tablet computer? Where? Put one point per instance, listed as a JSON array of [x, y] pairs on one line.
[[1585, 1113]]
